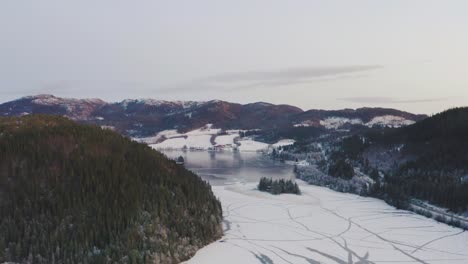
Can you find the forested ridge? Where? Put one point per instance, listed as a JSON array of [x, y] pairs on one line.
[[439, 146], [72, 193], [431, 163]]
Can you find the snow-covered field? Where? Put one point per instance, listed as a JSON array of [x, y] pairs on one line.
[[251, 145], [226, 139], [323, 226], [190, 142], [283, 142], [206, 138]]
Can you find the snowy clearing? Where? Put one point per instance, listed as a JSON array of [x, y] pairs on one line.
[[208, 138], [323, 226], [386, 121], [165, 134], [206, 130], [251, 145], [226, 139], [389, 121], [201, 142], [283, 142], [337, 122]]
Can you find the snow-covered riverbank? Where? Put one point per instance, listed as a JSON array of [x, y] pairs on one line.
[[323, 226]]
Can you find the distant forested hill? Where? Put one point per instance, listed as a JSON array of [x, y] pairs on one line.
[[437, 167], [147, 117], [72, 193], [428, 160]]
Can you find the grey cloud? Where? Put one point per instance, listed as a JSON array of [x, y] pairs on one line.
[[253, 79], [391, 100], [273, 83], [291, 73]]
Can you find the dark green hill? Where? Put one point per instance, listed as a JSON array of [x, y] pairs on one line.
[[432, 164], [439, 141], [71, 193], [448, 125]]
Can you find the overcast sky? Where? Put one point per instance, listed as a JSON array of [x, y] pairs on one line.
[[411, 55]]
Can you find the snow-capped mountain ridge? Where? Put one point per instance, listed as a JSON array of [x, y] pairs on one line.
[[146, 117], [155, 102]]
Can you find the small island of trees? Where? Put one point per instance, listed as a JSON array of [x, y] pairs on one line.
[[180, 160], [278, 186]]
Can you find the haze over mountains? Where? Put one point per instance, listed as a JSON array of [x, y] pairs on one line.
[[146, 117]]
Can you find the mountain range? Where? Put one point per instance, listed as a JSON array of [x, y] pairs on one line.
[[146, 117]]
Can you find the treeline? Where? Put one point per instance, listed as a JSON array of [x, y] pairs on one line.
[[443, 188], [278, 186], [71, 193]]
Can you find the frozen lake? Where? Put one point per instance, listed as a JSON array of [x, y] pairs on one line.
[[227, 167], [319, 226]]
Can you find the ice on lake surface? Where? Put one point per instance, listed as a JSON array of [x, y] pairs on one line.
[[227, 167], [319, 226]]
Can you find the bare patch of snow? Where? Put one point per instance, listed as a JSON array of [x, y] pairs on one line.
[[389, 121], [205, 130], [165, 134], [248, 144], [224, 140], [283, 142], [196, 142], [207, 138], [302, 125], [108, 127], [337, 122]]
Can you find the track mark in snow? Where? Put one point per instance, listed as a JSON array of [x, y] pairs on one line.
[[306, 229], [332, 238], [436, 239], [337, 260], [392, 243], [257, 245], [311, 261], [409, 255]]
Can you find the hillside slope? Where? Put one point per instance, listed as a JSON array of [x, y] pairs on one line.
[[73, 193], [433, 159], [427, 160]]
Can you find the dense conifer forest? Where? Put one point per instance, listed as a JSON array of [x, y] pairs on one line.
[[437, 172], [431, 162], [72, 193]]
